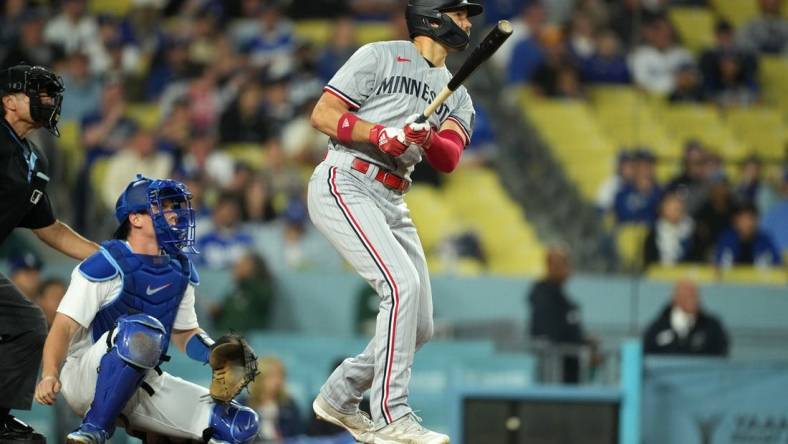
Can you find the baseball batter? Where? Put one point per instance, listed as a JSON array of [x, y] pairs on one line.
[[369, 110], [122, 308]]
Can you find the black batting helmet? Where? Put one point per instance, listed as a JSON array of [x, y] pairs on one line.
[[34, 81], [422, 17]]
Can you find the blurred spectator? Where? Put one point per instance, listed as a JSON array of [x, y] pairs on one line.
[[483, 148], [463, 246], [25, 273], [206, 98], [292, 243], [767, 33], [106, 129], [687, 87], [625, 173], [671, 239], [273, 42], [48, 297], [596, 10], [73, 27], [580, 41], [174, 131], [278, 107], [750, 180], [746, 243], [774, 221], [82, 89], [170, 64], [138, 156], [715, 215], [226, 242], [254, 292], [258, 199], [13, 12], [638, 201], [30, 46], [280, 417], [305, 145], [525, 54], [627, 17], [324, 9], [607, 65], [556, 76], [244, 27], [684, 328], [734, 88], [206, 40], [692, 182], [244, 120], [711, 61], [201, 158], [109, 53], [342, 45], [654, 64], [554, 316]]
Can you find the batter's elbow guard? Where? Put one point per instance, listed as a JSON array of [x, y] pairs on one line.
[[232, 423]]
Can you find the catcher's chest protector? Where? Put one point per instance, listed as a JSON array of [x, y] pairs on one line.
[[153, 285]]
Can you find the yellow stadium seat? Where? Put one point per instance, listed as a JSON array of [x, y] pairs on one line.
[[431, 214], [368, 32], [761, 129], [630, 240], [694, 25], [71, 145], [738, 12], [756, 275], [117, 8], [98, 173], [702, 274], [316, 32], [702, 122], [147, 115], [251, 154]]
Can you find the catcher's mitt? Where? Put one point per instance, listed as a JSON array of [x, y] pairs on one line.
[[234, 366]]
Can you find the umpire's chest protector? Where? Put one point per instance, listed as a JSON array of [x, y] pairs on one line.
[[153, 285]]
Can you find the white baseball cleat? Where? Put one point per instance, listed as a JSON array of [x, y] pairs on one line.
[[358, 424], [408, 430]]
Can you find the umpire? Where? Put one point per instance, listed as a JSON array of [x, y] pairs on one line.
[[31, 99]]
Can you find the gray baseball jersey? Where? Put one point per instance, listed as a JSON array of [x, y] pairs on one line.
[[386, 82], [370, 225]]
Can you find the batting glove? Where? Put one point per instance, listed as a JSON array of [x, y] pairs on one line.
[[389, 140], [417, 133]]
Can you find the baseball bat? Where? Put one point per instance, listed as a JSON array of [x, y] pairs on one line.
[[482, 52]]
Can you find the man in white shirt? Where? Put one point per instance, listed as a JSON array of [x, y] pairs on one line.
[[113, 327], [655, 63]]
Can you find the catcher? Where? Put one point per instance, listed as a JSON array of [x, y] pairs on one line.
[[113, 327]]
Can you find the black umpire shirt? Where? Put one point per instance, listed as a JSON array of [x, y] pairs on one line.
[[25, 174]]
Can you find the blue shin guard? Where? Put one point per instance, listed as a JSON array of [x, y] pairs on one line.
[[137, 349], [233, 423]]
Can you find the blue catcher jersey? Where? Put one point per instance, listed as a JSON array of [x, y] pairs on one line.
[[153, 285]]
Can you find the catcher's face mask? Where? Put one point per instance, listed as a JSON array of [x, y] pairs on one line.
[[42, 87], [172, 215], [168, 202]]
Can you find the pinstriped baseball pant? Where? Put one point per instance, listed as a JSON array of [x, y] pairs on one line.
[[370, 226]]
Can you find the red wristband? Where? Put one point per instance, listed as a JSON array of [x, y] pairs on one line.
[[345, 127]]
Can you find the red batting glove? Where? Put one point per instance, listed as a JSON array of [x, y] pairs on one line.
[[389, 140], [419, 134]]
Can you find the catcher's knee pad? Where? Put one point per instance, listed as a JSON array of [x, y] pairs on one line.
[[233, 423], [139, 340]]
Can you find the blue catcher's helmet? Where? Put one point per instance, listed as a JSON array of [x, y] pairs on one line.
[[168, 202]]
